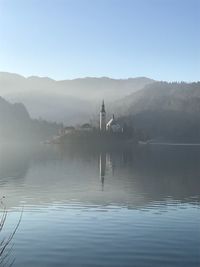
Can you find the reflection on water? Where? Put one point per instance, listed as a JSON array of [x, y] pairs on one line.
[[102, 168], [127, 207]]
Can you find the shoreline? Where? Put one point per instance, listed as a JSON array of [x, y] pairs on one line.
[[169, 144]]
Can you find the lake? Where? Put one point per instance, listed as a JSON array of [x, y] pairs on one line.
[[137, 206]]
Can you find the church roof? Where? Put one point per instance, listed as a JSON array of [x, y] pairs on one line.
[[112, 122]]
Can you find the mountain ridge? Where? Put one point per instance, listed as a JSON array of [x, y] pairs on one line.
[[70, 101]]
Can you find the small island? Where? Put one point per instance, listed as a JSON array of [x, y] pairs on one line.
[[107, 134]]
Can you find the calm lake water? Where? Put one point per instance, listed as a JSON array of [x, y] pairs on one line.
[[133, 207]]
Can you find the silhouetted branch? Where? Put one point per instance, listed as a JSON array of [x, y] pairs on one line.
[[4, 252]]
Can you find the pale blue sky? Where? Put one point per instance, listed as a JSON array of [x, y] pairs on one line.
[[116, 38]]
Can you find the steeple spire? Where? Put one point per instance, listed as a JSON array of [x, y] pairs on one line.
[[103, 106], [102, 122]]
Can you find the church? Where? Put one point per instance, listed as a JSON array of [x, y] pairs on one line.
[[111, 125]]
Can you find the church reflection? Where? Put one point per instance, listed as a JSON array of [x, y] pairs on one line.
[[102, 168], [106, 164], [126, 177]]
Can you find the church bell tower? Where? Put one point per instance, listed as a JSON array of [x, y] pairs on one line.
[[102, 123]]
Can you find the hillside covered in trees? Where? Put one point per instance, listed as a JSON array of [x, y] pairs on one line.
[[16, 124], [164, 111]]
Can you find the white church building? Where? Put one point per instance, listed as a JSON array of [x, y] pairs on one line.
[[111, 125]]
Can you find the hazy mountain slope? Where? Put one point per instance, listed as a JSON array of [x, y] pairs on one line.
[[71, 101], [165, 111], [162, 96], [16, 124], [54, 107], [107, 88]]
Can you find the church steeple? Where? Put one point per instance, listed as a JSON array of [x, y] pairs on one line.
[[102, 122], [103, 107]]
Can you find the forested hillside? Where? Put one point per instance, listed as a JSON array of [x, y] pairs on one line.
[[164, 111], [17, 126]]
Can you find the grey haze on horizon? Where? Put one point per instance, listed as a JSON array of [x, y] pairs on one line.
[[68, 101], [77, 101]]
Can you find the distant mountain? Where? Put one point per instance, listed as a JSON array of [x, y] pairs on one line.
[[16, 124], [162, 96], [163, 111], [169, 111], [70, 101]]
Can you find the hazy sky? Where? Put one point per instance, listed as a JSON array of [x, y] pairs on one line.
[[117, 38]]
